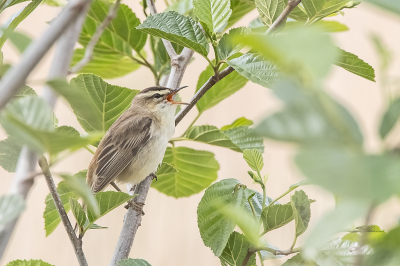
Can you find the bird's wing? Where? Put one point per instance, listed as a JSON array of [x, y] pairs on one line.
[[119, 149]]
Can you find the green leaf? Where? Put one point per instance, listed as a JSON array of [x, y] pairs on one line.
[[239, 9], [297, 13], [19, 40], [254, 159], [318, 9], [355, 65], [338, 253], [28, 263], [95, 226], [107, 66], [301, 183], [269, 10], [322, 25], [298, 260], [78, 212], [133, 262], [10, 149], [210, 135], [178, 29], [183, 7], [220, 91], [214, 13], [236, 250], [96, 103], [390, 118], [11, 206], [257, 201], [386, 249], [196, 171], [226, 47], [165, 169], [25, 91], [276, 216], [390, 5], [9, 3], [237, 123], [385, 55], [215, 229], [120, 36], [15, 19], [244, 138], [256, 68], [301, 211], [107, 201]]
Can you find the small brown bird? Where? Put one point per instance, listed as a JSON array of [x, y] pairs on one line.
[[135, 144]]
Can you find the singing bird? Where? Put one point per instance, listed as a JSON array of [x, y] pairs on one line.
[[135, 144]]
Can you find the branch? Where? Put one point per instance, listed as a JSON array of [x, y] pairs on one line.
[[76, 243], [16, 76], [112, 13], [282, 17], [276, 252]]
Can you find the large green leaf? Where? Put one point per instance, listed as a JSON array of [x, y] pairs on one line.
[[318, 9], [236, 250], [301, 211], [223, 89], [355, 65], [176, 28], [120, 36], [28, 263], [107, 66], [239, 9], [196, 171], [276, 216], [10, 207], [10, 149], [214, 13], [269, 10], [165, 169], [244, 138], [96, 103], [133, 262], [226, 46], [215, 228], [15, 19], [256, 68], [254, 159], [390, 118]]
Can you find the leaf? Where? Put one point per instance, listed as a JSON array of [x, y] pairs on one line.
[[257, 201], [183, 7], [107, 66], [236, 250], [9, 3], [341, 253], [256, 68], [297, 13], [28, 263], [210, 135], [78, 212], [11, 206], [133, 262], [298, 260], [95, 226], [25, 91], [165, 169], [96, 103], [390, 118], [386, 249], [301, 211], [355, 65], [301, 183], [19, 40], [220, 91], [196, 171], [239, 9], [269, 10], [389, 5], [237, 123], [244, 138], [385, 55], [178, 29], [214, 228], [107, 201], [214, 13], [119, 37], [276, 216], [318, 9], [226, 47], [15, 19], [10, 149], [322, 25], [254, 159]]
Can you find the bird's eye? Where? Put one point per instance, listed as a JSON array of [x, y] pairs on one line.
[[157, 95]]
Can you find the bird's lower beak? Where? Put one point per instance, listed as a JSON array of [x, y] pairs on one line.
[[171, 95]]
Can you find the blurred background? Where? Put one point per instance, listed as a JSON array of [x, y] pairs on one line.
[[169, 233]]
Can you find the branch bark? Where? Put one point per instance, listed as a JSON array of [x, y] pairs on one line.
[[24, 179], [76, 243], [282, 17]]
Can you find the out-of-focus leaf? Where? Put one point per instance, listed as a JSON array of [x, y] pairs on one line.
[[355, 65], [107, 66], [237, 123], [178, 29], [301, 211], [386, 250], [19, 40], [269, 10], [254, 159], [390, 5], [9, 3], [10, 149], [11, 206], [390, 118], [385, 55], [96, 103], [214, 13], [298, 260], [239, 9], [133, 262], [28, 263], [196, 170], [322, 25], [226, 47], [317, 9], [183, 7], [340, 253], [236, 250]]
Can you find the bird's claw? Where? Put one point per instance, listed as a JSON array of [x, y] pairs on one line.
[[153, 176]]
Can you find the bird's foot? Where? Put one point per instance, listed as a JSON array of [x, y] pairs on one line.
[[138, 206], [153, 176]]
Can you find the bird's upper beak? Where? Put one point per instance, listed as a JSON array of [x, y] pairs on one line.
[[171, 95]]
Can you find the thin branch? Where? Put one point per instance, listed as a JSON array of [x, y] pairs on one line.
[[112, 13], [76, 243], [16, 76], [277, 252], [282, 17]]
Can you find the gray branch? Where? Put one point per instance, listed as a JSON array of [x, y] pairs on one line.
[[24, 179], [76, 243], [283, 16]]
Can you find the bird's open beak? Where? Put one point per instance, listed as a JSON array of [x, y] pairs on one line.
[[171, 95]]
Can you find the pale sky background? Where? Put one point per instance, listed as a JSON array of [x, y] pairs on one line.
[[169, 234]]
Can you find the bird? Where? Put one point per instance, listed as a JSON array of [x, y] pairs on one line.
[[134, 146]]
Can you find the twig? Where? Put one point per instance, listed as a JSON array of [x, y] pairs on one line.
[[247, 258], [277, 252], [112, 13], [282, 17], [76, 243], [16, 76]]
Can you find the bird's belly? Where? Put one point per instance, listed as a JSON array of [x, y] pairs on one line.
[[145, 162]]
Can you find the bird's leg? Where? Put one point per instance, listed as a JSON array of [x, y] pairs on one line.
[[135, 205], [153, 176], [115, 186]]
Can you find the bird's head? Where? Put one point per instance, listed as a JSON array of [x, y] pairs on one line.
[[157, 98]]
